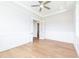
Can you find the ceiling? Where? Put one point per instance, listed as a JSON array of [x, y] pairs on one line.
[[56, 7]]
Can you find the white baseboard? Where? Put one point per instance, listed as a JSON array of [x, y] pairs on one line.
[[77, 49], [8, 42], [42, 38], [76, 45], [13, 46], [61, 36]]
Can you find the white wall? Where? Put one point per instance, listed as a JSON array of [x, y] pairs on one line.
[[16, 25], [77, 28], [60, 27], [42, 28], [34, 28]]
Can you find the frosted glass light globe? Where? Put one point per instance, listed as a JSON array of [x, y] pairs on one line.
[[41, 6]]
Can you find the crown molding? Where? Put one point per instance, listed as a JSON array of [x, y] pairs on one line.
[[58, 12], [29, 9]]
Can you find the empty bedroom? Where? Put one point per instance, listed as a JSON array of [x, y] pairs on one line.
[[39, 29]]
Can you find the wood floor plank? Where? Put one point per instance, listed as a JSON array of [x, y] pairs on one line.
[[41, 49]]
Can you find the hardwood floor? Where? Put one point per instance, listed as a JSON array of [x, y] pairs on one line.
[[41, 49]]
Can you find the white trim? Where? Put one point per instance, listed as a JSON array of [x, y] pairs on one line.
[[14, 46], [58, 12], [26, 7], [20, 4], [76, 48]]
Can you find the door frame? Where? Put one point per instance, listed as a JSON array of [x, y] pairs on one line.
[[37, 29]]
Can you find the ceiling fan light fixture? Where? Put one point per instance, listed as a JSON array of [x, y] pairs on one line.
[[41, 6]]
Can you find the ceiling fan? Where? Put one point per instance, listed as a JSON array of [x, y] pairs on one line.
[[42, 4]]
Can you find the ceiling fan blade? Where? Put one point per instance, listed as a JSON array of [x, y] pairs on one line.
[[46, 7], [40, 9], [47, 2], [35, 5], [40, 2]]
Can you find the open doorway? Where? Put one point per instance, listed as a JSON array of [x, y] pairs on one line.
[[36, 30]]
